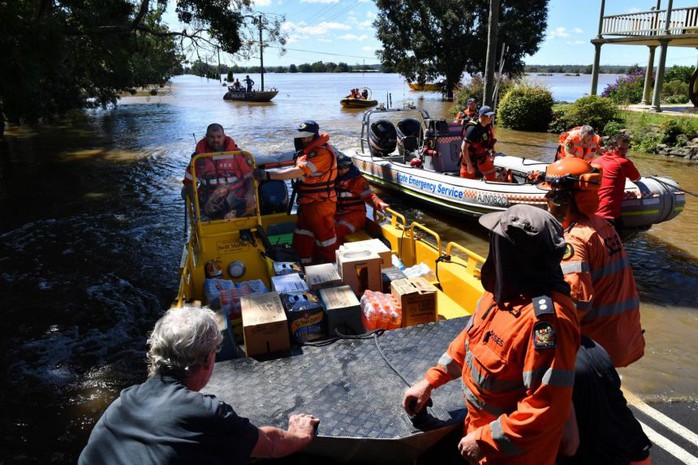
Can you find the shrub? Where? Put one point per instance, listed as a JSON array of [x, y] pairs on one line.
[[628, 88], [612, 127], [592, 110], [559, 122], [679, 73], [526, 107], [475, 89], [675, 91]]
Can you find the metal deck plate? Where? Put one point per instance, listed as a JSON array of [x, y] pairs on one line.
[[353, 391]]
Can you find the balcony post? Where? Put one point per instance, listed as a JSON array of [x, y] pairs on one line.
[[595, 68], [603, 7], [667, 24], [648, 76], [659, 79]]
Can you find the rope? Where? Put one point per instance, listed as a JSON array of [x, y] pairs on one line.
[[666, 184]]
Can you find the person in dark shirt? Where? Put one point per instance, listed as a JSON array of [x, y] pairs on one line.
[[165, 420], [477, 148]]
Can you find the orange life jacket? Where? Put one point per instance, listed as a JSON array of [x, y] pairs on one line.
[[354, 192], [319, 163], [571, 145]]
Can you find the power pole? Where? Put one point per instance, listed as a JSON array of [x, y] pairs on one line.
[[492, 30], [261, 51]]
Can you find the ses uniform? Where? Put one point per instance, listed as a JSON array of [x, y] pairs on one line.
[[353, 193]]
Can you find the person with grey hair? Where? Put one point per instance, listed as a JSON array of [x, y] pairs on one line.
[[580, 142], [515, 358], [165, 420], [615, 169]]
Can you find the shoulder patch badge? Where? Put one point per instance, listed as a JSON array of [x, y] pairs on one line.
[[544, 335], [569, 251]]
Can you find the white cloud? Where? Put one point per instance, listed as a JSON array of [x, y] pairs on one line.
[[559, 32], [320, 29], [576, 42], [262, 2], [360, 38], [578, 31], [319, 1]]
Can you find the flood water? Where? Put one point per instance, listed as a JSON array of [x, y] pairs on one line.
[[92, 225]]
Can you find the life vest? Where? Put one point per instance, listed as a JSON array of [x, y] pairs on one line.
[[479, 150], [217, 170], [353, 192], [203, 147], [318, 185], [571, 145]]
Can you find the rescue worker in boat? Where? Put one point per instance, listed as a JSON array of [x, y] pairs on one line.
[[515, 358], [468, 114], [595, 263], [580, 142], [364, 94], [315, 238], [477, 148], [237, 86], [166, 420], [616, 169], [603, 429], [248, 83], [353, 193], [225, 189]]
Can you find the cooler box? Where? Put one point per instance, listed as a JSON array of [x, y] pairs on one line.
[[372, 245], [360, 269]]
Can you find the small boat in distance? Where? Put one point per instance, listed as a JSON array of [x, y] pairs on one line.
[[254, 96], [365, 102], [427, 86]]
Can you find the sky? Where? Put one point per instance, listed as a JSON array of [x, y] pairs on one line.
[[342, 31]]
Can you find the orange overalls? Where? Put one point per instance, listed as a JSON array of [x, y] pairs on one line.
[[571, 146], [603, 289], [353, 193], [315, 237], [517, 369], [478, 151]]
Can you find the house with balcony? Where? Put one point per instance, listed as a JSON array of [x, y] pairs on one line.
[[658, 28]]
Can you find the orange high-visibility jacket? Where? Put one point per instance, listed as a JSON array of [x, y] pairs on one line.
[[603, 289], [208, 169], [571, 145], [517, 369], [319, 164], [353, 193]]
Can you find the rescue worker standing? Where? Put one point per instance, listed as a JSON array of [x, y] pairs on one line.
[[579, 142], [516, 355], [595, 263], [468, 114], [616, 169], [225, 182], [316, 166], [248, 83], [477, 149], [353, 193]]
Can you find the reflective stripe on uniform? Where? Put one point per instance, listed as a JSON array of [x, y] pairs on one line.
[[327, 243], [613, 308], [575, 267], [490, 384], [503, 441], [312, 167], [348, 225], [610, 268], [489, 408], [453, 369], [304, 232], [546, 375]]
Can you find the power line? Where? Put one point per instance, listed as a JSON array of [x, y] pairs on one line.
[[324, 53]]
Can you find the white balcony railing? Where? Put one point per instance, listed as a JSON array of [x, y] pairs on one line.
[[652, 23]]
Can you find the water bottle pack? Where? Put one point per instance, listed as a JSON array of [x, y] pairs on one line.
[[380, 311]]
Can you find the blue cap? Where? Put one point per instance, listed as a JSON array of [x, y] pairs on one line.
[[487, 111], [307, 128]]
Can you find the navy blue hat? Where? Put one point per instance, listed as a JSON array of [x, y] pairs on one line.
[[307, 128], [343, 161], [487, 111]]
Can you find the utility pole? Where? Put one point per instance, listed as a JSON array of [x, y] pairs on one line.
[[492, 30], [261, 51]]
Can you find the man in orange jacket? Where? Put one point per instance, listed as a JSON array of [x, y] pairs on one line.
[[225, 184], [516, 355], [579, 142], [353, 193], [595, 263], [315, 238]]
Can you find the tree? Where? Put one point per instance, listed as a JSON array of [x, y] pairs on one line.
[[68, 54], [425, 41]]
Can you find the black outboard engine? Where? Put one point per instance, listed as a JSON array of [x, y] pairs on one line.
[[382, 138], [273, 197], [408, 135]]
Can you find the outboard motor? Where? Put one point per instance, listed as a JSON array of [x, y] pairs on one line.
[[408, 135], [273, 197], [382, 138]]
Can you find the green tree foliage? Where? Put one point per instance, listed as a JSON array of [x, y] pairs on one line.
[[474, 89], [592, 110], [428, 40], [679, 73], [59, 56], [526, 107]]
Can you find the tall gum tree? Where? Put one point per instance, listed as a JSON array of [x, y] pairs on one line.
[[442, 39]]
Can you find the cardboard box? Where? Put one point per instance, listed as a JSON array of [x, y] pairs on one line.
[[388, 275], [360, 269], [288, 283], [343, 310], [417, 298], [264, 324], [321, 276], [372, 245], [306, 316]]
